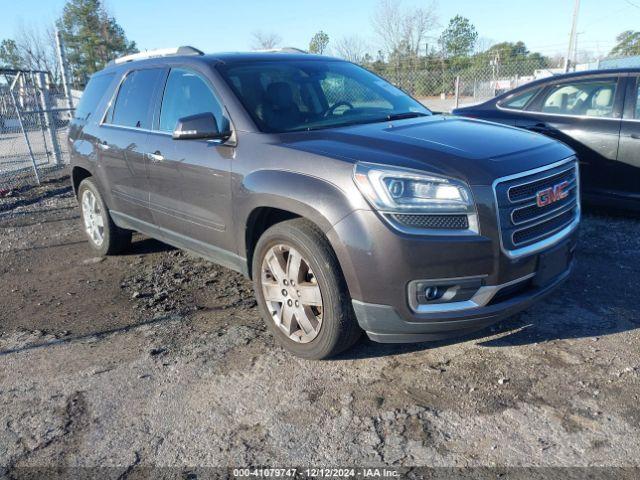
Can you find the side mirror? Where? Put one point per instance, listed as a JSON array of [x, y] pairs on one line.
[[199, 126]]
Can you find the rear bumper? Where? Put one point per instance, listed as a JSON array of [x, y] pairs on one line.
[[384, 324]]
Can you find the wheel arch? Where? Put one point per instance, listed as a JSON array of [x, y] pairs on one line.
[[274, 196], [78, 174]]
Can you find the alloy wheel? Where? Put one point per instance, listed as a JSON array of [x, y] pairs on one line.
[[93, 217], [292, 293]]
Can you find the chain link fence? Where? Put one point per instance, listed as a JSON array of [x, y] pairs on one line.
[[34, 122], [444, 85]]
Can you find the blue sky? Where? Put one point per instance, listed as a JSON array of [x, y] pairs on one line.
[[214, 25]]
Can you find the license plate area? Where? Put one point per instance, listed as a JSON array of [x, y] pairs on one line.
[[551, 264]]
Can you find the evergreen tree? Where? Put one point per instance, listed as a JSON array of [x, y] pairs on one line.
[[459, 38], [10, 55], [318, 43], [628, 44], [91, 37]]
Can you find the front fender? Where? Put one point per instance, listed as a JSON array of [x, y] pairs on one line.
[[313, 198], [316, 199]]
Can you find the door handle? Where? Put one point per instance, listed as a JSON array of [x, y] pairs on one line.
[[635, 136], [103, 146], [155, 156]]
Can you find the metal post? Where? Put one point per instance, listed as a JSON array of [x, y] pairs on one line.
[[64, 72], [572, 35], [41, 118], [457, 91], [47, 106], [24, 132]]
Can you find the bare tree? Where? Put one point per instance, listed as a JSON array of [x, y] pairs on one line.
[[265, 40], [352, 48], [37, 48], [483, 44], [403, 29]]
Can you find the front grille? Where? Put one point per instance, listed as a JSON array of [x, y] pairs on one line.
[[528, 190], [523, 223], [434, 222], [548, 228], [532, 211]]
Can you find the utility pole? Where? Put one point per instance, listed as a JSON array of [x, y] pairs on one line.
[[575, 49], [64, 69], [572, 36]]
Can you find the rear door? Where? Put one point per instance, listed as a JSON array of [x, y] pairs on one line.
[[629, 151], [122, 137], [190, 180], [585, 114]]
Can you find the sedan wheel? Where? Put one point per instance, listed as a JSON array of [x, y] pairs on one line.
[[292, 293]]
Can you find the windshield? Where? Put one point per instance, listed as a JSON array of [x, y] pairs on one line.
[[287, 96]]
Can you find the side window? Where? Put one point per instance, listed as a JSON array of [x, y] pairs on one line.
[[92, 95], [185, 94], [638, 98], [592, 98], [520, 100], [133, 105]]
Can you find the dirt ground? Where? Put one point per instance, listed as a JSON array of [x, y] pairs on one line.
[[156, 358]]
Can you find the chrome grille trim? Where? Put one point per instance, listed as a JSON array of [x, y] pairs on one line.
[[543, 216], [557, 174], [555, 234], [572, 185], [545, 220]]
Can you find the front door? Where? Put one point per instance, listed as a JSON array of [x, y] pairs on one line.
[[629, 151], [584, 114], [190, 180]]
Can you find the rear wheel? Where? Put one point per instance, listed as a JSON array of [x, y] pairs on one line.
[[301, 291], [104, 236]]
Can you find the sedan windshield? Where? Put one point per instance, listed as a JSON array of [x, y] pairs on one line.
[[287, 96]]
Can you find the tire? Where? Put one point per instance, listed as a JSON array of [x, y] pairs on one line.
[[110, 239], [336, 328]]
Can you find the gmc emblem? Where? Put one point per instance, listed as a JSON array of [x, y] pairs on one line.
[[552, 194]]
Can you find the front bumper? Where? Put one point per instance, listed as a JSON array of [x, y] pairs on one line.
[[382, 323], [379, 264]]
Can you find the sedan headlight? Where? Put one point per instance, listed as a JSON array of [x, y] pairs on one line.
[[398, 191]]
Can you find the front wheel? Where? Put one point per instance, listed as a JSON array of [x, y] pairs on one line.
[[301, 291]]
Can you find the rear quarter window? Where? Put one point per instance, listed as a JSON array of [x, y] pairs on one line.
[[135, 96], [93, 93], [520, 100]]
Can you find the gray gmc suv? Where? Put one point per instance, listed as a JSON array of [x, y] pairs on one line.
[[348, 203]]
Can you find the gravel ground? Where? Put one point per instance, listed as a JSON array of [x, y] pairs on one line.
[[156, 358]]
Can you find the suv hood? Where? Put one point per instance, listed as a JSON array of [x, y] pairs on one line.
[[475, 151]]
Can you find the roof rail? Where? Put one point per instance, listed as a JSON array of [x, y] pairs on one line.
[[281, 50], [160, 52]]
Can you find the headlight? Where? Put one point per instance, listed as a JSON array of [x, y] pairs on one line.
[[404, 191]]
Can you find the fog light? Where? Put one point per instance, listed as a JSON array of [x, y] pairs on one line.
[[432, 293], [426, 292]]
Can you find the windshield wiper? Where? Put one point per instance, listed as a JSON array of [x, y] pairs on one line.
[[401, 116], [361, 121]]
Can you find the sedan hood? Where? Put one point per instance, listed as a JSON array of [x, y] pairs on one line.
[[475, 151]]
